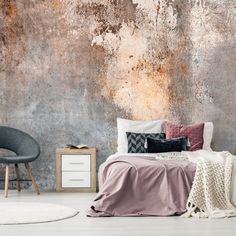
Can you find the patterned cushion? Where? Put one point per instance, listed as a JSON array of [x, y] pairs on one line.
[[136, 141], [179, 156], [194, 133]]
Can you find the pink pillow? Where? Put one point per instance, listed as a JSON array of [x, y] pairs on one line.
[[193, 132]]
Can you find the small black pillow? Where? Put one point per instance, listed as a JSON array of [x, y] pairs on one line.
[[166, 145], [136, 141]]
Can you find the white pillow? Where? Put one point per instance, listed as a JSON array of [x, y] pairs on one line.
[[207, 135], [124, 126]]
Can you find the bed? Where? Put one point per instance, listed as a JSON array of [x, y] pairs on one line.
[[163, 184]]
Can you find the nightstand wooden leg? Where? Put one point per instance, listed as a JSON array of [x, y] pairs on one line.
[[29, 170], [6, 180], [17, 178]]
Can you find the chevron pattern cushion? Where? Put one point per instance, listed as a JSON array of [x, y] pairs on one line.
[[137, 141]]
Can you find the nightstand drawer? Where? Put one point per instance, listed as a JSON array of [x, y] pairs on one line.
[[76, 170], [76, 179], [75, 162]]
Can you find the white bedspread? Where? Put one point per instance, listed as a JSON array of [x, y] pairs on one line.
[[210, 195], [233, 186]]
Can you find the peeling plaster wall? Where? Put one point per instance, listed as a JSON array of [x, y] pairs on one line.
[[68, 68]]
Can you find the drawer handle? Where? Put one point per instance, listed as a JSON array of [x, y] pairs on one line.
[[76, 179], [77, 163]]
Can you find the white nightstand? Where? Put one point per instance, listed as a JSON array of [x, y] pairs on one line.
[[76, 170]]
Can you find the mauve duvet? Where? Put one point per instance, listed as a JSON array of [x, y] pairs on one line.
[[142, 186]]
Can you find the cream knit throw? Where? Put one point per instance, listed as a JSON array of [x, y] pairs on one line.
[[210, 193]]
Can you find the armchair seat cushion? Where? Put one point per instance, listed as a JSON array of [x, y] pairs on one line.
[[24, 146], [16, 159]]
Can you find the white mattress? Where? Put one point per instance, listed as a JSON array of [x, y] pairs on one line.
[[233, 183]]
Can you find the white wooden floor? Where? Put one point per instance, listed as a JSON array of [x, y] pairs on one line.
[[118, 226]]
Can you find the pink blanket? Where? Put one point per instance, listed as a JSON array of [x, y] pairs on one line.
[[142, 186]]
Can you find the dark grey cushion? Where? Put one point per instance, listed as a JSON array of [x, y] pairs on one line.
[[17, 159], [167, 145]]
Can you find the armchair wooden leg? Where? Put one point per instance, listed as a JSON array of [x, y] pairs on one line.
[[17, 178], [6, 180], [29, 170]]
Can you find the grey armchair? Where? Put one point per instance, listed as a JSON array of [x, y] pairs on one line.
[[26, 150]]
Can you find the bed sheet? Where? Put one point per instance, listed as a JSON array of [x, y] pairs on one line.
[[233, 183]]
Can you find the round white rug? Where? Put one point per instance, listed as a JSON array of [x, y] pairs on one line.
[[29, 213]]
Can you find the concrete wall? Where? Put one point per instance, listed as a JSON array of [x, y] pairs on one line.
[[68, 68]]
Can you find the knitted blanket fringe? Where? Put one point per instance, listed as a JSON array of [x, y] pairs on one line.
[[210, 193]]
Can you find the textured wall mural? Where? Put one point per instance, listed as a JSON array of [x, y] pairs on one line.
[[68, 68]]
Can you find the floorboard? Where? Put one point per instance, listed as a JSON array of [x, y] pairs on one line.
[[117, 226]]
